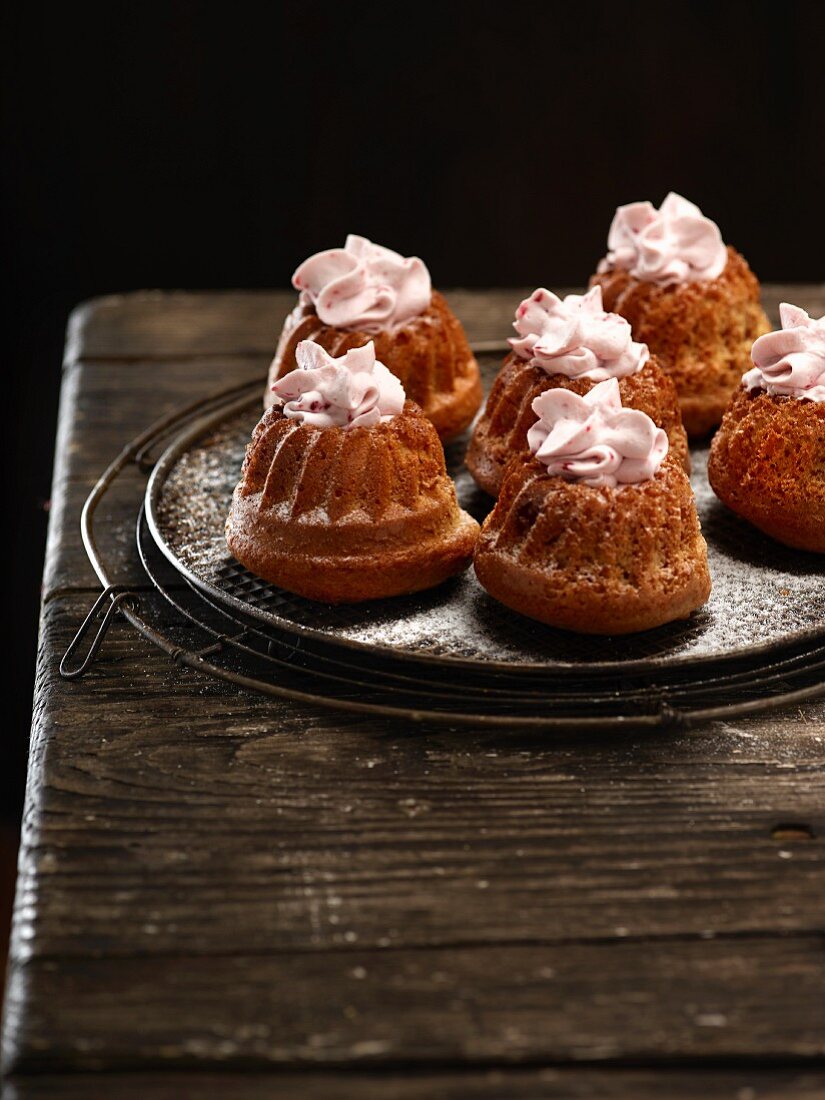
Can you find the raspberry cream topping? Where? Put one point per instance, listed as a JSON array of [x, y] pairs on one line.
[[575, 337], [594, 439], [364, 286], [790, 362], [674, 244], [354, 391]]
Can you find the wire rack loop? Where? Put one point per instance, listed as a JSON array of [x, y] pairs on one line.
[[227, 640], [116, 594]]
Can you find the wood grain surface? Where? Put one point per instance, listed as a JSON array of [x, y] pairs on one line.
[[319, 905], [467, 1083]]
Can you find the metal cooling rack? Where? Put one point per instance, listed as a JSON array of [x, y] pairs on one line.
[[796, 666], [457, 623], [212, 634]]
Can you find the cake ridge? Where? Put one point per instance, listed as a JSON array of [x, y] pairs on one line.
[[309, 495], [274, 477], [344, 514], [289, 482], [594, 558]]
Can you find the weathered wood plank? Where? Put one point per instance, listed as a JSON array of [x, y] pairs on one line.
[[496, 1084], [103, 408], [204, 860], [741, 998], [166, 325], [265, 826], [169, 324], [66, 565]]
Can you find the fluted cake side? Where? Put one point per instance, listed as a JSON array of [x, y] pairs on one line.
[[593, 558], [342, 516]]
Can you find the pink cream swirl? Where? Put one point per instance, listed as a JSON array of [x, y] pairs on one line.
[[364, 286], [354, 391], [594, 439], [790, 362], [674, 244], [575, 337]]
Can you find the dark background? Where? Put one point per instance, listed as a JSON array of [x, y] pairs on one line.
[[216, 145]]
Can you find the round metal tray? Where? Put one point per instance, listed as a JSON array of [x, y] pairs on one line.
[[251, 655], [219, 637], [765, 596]]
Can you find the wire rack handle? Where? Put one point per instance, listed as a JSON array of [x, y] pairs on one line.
[[116, 594]]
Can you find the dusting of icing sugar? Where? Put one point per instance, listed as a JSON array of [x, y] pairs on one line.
[[761, 591]]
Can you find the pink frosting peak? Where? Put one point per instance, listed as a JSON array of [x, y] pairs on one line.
[[674, 244], [354, 391], [791, 361], [594, 439], [574, 336], [364, 286]]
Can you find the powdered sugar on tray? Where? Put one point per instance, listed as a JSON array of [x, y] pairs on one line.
[[762, 592]]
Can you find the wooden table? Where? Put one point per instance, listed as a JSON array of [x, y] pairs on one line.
[[325, 906]]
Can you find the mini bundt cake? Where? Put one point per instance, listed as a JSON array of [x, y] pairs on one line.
[[595, 530], [767, 461], [363, 292], [692, 300], [571, 344], [344, 495]]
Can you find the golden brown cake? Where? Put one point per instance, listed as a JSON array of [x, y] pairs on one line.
[[596, 531], [343, 510], [767, 461], [699, 316], [501, 431], [364, 292]]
